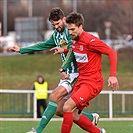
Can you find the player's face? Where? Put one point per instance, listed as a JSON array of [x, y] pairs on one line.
[[59, 25], [75, 31]]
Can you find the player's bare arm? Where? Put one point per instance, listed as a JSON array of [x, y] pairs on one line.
[[113, 83], [15, 48], [57, 50]]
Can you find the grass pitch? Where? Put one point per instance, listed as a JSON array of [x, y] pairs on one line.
[[54, 126], [19, 72]]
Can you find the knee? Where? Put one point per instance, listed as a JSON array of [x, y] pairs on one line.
[[59, 113], [76, 117], [67, 107], [53, 97]]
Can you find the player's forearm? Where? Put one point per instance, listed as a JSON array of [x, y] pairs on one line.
[[113, 62], [69, 59], [35, 48]]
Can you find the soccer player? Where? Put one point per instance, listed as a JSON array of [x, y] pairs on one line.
[[87, 51], [60, 38]]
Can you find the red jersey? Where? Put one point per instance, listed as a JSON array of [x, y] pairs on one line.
[[88, 52]]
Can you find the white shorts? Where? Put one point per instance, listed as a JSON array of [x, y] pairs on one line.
[[67, 83]]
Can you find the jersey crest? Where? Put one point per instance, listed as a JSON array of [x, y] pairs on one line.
[[63, 44]]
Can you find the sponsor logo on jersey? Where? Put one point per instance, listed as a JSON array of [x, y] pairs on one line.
[[63, 44], [81, 57]]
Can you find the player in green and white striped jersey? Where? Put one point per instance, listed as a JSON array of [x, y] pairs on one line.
[[61, 39]]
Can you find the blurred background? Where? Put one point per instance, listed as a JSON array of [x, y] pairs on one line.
[[25, 22]]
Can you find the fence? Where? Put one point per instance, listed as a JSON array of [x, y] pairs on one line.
[[22, 103]]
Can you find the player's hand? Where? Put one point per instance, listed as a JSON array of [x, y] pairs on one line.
[[113, 83], [15, 48], [57, 50], [63, 75]]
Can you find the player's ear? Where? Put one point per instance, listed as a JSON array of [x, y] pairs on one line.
[[81, 26], [64, 19]]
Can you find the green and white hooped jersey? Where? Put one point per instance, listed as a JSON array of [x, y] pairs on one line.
[[62, 40]]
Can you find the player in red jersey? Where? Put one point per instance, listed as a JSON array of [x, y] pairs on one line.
[[87, 51]]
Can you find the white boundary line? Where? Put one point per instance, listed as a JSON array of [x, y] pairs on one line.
[[60, 119]]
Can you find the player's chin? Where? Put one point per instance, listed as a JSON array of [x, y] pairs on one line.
[[59, 30], [74, 37]]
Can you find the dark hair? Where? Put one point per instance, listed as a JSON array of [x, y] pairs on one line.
[[75, 18], [56, 14]]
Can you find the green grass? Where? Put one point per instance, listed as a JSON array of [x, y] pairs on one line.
[[19, 72], [54, 127]]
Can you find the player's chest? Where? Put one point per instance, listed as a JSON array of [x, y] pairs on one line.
[[80, 47], [81, 52], [61, 40]]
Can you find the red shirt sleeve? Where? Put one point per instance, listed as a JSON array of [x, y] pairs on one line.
[[65, 51], [100, 47], [113, 62]]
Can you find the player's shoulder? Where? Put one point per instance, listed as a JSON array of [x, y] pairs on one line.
[[88, 36]]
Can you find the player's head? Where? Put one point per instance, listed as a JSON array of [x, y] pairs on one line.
[[57, 19], [75, 23]]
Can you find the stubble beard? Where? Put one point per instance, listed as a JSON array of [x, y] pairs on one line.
[[61, 28], [76, 38]]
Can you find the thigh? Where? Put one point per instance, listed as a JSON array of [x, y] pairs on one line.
[[64, 88], [58, 93], [69, 105], [82, 94], [68, 83]]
